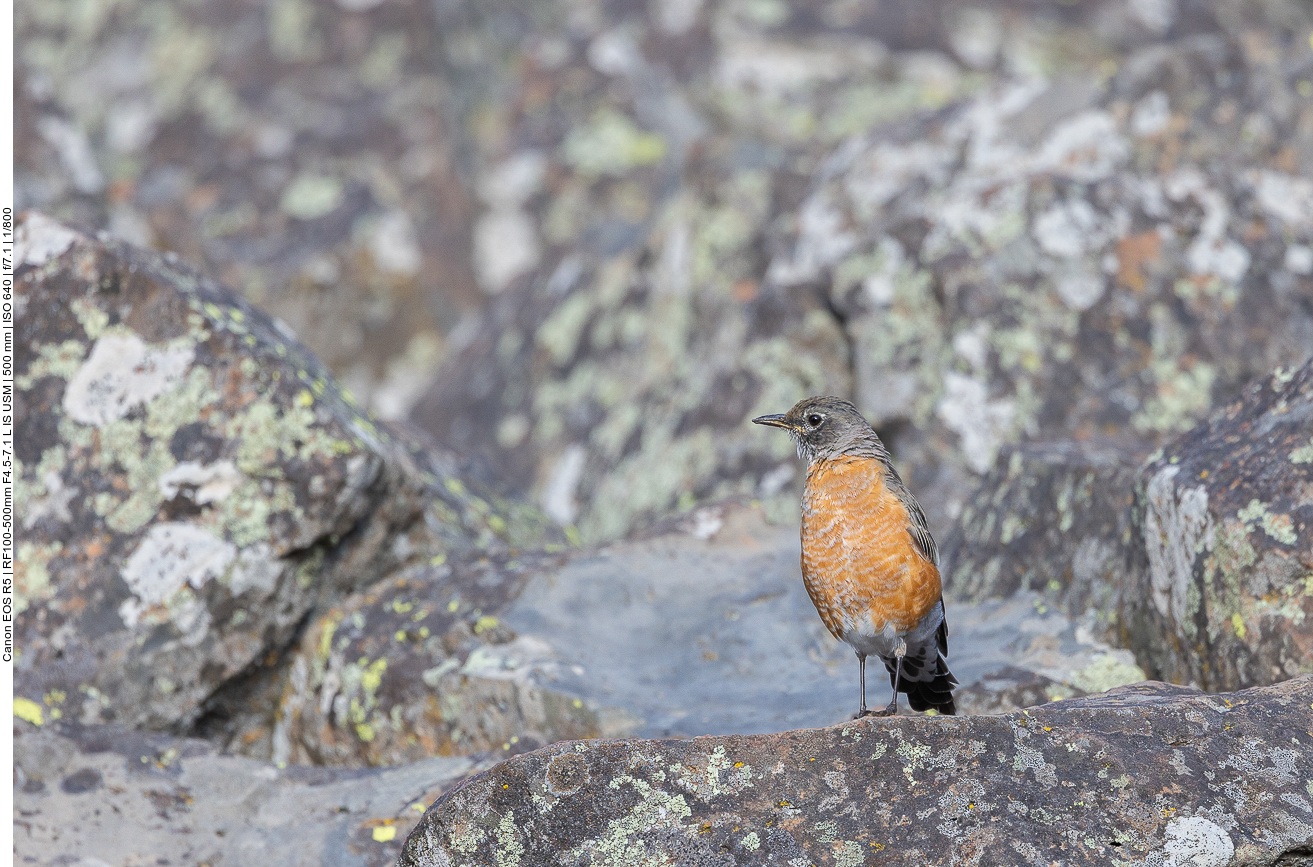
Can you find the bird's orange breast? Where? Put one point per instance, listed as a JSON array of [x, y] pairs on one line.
[[859, 562]]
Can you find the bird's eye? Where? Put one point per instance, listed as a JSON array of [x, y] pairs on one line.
[[814, 420]]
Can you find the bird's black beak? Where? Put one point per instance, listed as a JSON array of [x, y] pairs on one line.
[[776, 420]]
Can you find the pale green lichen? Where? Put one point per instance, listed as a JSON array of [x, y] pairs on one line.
[[848, 853], [49, 467], [509, 848], [466, 837], [611, 144], [311, 196], [620, 844], [92, 318], [32, 573], [1105, 673], [1279, 526], [1181, 396]]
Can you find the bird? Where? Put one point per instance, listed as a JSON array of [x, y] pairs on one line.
[[868, 560]]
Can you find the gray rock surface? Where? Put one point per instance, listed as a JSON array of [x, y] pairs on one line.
[[101, 795], [1220, 592], [1151, 774], [192, 484], [1053, 518]]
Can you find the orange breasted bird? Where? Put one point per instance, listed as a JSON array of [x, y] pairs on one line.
[[868, 559]]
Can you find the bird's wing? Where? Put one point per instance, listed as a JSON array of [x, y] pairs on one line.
[[918, 527]]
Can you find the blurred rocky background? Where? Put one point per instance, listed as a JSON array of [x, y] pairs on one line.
[[481, 479]]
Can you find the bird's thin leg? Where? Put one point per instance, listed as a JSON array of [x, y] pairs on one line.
[[861, 674], [899, 653]]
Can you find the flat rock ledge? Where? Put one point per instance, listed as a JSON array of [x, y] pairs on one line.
[[1147, 774]]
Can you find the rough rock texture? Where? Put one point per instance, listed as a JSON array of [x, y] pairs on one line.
[[102, 795], [325, 156], [301, 150], [414, 667], [1221, 587], [1054, 518], [1101, 240], [1151, 774], [192, 484], [1088, 255]]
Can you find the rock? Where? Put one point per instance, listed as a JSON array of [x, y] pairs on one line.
[[108, 795], [1220, 592], [420, 665], [1072, 258], [302, 151], [976, 261], [192, 484], [1151, 773], [1054, 518]]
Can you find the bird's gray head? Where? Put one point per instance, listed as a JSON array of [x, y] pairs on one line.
[[825, 427]]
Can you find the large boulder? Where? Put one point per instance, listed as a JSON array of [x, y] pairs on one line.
[[100, 795], [192, 484], [1220, 589], [1151, 773], [1080, 248]]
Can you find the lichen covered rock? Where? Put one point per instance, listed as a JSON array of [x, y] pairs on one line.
[[1102, 240], [300, 150], [1054, 518], [1150, 773], [420, 665], [1220, 592], [192, 483], [1094, 255]]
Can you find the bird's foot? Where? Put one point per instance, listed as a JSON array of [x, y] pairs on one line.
[[866, 711]]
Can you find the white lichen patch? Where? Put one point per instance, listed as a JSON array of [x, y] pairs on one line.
[[171, 556], [1177, 525], [202, 483], [39, 239], [525, 660], [1197, 842], [122, 373], [984, 424]]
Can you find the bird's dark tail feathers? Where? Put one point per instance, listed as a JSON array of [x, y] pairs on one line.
[[926, 678], [934, 694]]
